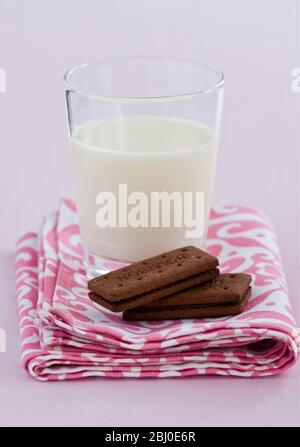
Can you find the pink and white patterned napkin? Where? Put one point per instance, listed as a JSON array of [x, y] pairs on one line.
[[64, 335]]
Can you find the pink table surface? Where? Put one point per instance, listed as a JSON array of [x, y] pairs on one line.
[[258, 166]]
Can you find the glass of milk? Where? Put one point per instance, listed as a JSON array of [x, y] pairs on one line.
[[144, 134]]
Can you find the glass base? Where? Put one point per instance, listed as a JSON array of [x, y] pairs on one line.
[[96, 265]]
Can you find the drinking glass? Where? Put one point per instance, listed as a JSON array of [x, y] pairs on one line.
[[144, 134]]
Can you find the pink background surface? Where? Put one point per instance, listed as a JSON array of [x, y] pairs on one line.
[[257, 45]]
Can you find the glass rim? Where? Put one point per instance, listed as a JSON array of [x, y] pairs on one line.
[[214, 86]]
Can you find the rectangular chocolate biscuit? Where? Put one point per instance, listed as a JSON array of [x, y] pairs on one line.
[[154, 278], [149, 297], [227, 294]]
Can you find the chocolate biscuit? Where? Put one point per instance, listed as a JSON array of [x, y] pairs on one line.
[[154, 278], [227, 294], [156, 294]]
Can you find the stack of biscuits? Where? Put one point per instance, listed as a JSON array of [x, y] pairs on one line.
[[182, 283]]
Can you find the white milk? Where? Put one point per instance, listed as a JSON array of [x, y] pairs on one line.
[[148, 154]]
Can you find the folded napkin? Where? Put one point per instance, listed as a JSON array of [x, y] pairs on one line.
[[64, 335]]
